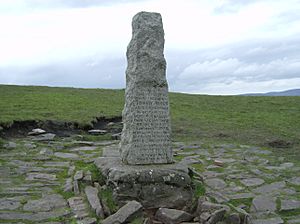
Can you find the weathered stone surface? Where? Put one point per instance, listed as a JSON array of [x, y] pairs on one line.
[[276, 220], [46, 203], [78, 207], [9, 204], [87, 221], [295, 180], [68, 185], [46, 151], [40, 176], [84, 148], [125, 214], [252, 182], [97, 132], [272, 188], [92, 196], [44, 137], [216, 183], [78, 175], [65, 155], [10, 145], [146, 132], [57, 164], [172, 216], [293, 221], [289, 205], [155, 186], [39, 216], [263, 203]]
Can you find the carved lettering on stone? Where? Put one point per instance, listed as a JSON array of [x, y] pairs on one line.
[[146, 133]]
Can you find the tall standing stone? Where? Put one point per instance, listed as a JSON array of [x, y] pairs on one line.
[[146, 133]]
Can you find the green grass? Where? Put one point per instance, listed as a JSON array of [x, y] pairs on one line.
[[253, 120]]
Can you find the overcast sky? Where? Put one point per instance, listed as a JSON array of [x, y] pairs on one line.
[[212, 46]]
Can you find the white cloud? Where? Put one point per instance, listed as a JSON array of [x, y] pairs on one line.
[[223, 73]]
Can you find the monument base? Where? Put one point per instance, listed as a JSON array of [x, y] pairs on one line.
[[154, 186]]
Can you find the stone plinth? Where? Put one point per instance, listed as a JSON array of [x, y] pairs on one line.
[[146, 132], [154, 186]]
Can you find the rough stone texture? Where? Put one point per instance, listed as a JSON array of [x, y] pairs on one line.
[[272, 188], [146, 132], [155, 186], [289, 205], [47, 203], [44, 137], [9, 204], [78, 207], [276, 220], [40, 176], [251, 182], [216, 183], [172, 216], [125, 214], [92, 196], [64, 155], [263, 203], [295, 181]]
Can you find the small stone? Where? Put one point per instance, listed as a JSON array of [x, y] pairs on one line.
[[46, 151], [78, 175], [287, 165], [29, 146], [172, 216], [9, 204], [84, 148], [92, 196], [87, 176], [76, 187], [217, 216], [64, 155], [293, 221], [116, 136], [78, 207], [216, 183], [10, 145], [47, 203], [37, 131], [241, 196], [71, 170], [125, 214], [41, 176], [287, 205], [263, 204], [272, 188], [234, 218], [97, 132], [44, 137], [68, 185], [251, 182], [87, 220], [276, 220], [218, 162], [295, 181]]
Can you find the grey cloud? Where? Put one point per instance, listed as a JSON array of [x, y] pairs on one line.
[[259, 60], [85, 73]]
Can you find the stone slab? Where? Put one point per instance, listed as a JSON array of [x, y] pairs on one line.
[[155, 186], [146, 135]]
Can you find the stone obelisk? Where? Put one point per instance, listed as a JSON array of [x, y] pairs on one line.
[[146, 133]]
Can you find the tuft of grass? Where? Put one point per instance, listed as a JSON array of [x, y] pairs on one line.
[[199, 189], [107, 196]]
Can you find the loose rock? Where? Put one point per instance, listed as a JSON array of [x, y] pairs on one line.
[[172, 216], [125, 214], [92, 196]]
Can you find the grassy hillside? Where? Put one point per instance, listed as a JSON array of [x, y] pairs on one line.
[[243, 119]]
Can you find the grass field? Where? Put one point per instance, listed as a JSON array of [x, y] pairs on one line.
[[239, 119]]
